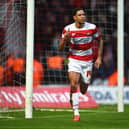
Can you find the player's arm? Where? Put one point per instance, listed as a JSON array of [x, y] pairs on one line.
[[98, 61], [64, 40], [100, 48], [62, 44]]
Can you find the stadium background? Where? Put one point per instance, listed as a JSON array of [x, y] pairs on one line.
[[50, 65], [50, 18]]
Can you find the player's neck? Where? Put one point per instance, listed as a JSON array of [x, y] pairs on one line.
[[79, 25]]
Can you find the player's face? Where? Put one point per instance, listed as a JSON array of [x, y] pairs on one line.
[[80, 17]]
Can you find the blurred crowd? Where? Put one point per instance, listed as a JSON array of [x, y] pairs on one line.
[[13, 72], [50, 18]]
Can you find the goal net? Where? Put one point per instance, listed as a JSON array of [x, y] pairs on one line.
[[50, 65], [12, 51]]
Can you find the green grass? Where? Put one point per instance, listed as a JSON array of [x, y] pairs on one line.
[[103, 117]]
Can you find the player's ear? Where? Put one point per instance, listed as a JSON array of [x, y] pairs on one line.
[[74, 17]]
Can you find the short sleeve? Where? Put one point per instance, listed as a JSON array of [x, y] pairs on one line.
[[63, 32]]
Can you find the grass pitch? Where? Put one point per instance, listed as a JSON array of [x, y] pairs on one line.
[[103, 117]]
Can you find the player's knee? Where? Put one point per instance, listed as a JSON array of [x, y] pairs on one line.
[[73, 85], [83, 91], [73, 88], [83, 88]]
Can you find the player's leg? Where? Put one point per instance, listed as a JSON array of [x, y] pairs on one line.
[[85, 77], [83, 87], [74, 98], [74, 77]]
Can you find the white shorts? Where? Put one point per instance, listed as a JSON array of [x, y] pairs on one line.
[[82, 67]]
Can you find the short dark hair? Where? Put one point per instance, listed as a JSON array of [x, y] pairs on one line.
[[77, 9]]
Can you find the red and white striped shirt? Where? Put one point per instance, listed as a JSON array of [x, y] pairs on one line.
[[81, 42]]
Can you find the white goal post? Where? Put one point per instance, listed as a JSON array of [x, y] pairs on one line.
[[120, 55], [29, 58]]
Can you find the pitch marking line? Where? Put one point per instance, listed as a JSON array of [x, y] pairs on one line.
[[15, 110], [8, 117], [70, 110]]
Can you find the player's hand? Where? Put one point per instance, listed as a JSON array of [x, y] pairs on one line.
[[67, 36], [98, 62]]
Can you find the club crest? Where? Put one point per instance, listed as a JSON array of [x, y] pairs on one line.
[[88, 33]]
